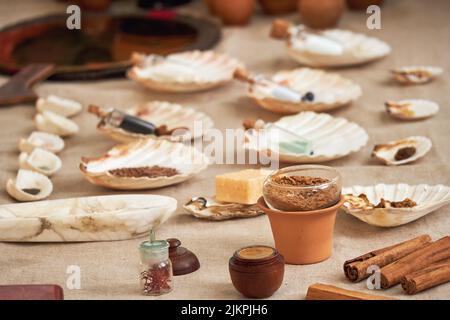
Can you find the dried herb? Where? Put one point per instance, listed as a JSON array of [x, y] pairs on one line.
[[404, 153], [149, 172]]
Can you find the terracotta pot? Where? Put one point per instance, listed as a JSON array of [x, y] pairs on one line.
[[210, 5], [303, 237], [321, 14], [278, 6], [362, 4], [234, 12], [94, 5]]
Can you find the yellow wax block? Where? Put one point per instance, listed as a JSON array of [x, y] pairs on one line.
[[242, 186]]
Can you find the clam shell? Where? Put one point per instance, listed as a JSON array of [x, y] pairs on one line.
[[44, 140], [101, 218], [183, 72], [416, 74], [41, 186], [428, 199], [386, 152], [412, 109], [356, 49], [330, 91], [211, 209], [331, 137], [144, 153], [61, 106], [41, 161], [163, 113], [51, 122]]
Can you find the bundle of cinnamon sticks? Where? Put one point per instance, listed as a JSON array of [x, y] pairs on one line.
[[418, 264]]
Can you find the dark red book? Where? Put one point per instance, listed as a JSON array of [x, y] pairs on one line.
[[31, 292]]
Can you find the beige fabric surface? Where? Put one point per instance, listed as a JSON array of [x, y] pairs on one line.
[[419, 33]]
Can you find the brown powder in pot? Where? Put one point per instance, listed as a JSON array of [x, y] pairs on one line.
[[299, 181], [149, 172]]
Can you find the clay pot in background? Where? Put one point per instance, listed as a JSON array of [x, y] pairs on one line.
[[94, 5], [210, 5], [234, 12], [321, 14], [362, 4], [278, 6]]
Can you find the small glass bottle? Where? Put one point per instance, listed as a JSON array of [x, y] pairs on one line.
[[156, 268]]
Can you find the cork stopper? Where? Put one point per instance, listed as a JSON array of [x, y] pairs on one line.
[[280, 29]]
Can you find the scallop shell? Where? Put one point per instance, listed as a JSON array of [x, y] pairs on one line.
[[38, 185], [428, 199], [416, 74], [43, 140], [211, 209], [144, 153], [356, 49], [100, 218], [330, 91], [51, 122], [163, 113], [331, 137], [183, 72], [386, 152], [412, 109], [61, 106], [41, 161]]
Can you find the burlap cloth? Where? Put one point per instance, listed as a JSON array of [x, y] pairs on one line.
[[419, 33]]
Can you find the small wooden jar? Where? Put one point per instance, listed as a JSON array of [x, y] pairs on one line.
[[257, 271]]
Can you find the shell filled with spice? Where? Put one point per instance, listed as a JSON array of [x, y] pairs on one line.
[[29, 186], [183, 72], [99, 218], [416, 74], [43, 140], [41, 161], [317, 91], [210, 209], [169, 118], [51, 122], [402, 151], [412, 109], [390, 205], [306, 137], [144, 164], [58, 105]]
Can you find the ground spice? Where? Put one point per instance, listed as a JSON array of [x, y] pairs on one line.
[[406, 203], [149, 172], [404, 153], [362, 202]]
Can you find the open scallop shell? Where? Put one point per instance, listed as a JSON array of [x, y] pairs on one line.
[[183, 72], [41, 161], [428, 199], [51, 122], [144, 153], [29, 186], [331, 138], [211, 209], [330, 91], [386, 152], [356, 49], [412, 109], [100, 218], [61, 106], [43, 140], [416, 74], [163, 113]]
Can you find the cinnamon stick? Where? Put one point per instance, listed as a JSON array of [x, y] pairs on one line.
[[321, 291], [420, 259], [356, 269], [434, 275]]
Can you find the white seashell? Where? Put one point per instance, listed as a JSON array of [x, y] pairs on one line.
[[44, 140], [334, 47], [144, 153], [51, 122], [29, 186], [412, 109], [330, 91], [41, 161], [330, 137], [61, 106], [183, 72], [416, 74], [428, 199], [101, 218], [163, 113], [211, 209], [386, 152]]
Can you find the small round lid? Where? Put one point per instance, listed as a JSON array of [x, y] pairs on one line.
[[183, 260], [256, 253]]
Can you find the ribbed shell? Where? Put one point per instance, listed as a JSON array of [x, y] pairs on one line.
[[386, 152]]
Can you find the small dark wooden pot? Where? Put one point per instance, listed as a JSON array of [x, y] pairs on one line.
[[257, 271]]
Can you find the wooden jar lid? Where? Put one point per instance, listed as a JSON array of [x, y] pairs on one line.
[[183, 260]]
